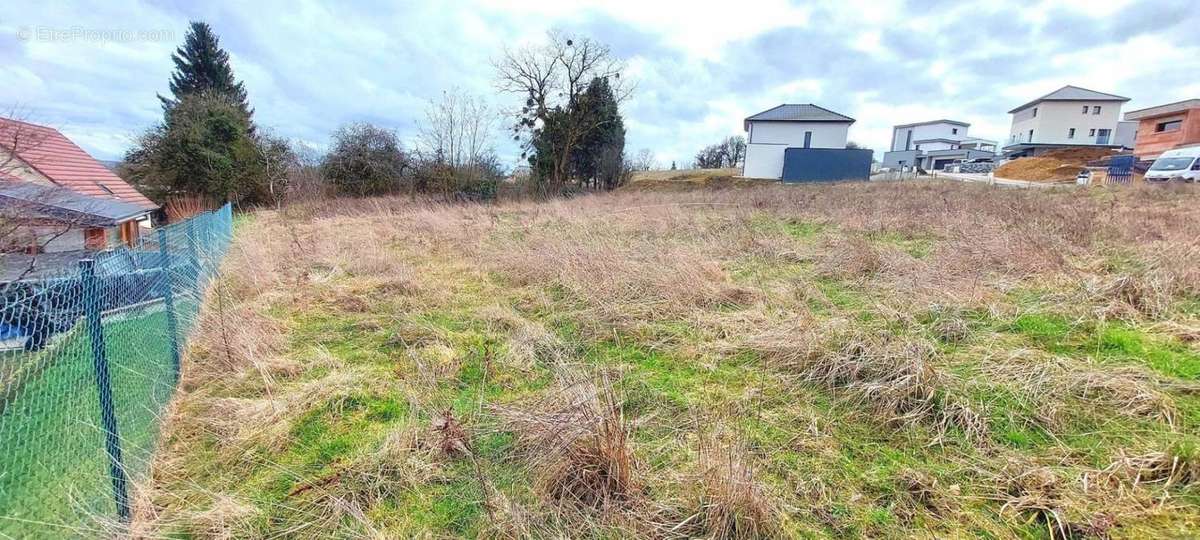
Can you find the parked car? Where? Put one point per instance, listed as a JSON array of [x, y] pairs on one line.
[[1181, 165], [24, 320]]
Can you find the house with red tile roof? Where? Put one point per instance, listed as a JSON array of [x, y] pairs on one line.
[[62, 198]]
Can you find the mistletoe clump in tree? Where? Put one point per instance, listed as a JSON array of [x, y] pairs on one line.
[[569, 119]]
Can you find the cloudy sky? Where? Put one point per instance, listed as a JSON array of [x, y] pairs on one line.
[[93, 69]]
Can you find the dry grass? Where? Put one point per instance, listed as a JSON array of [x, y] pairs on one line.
[[1058, 386], [897, 377], [690, 179], [906, 360], [577, 442], [734, 503]]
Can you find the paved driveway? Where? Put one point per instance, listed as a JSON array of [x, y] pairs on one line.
[[985, 179]]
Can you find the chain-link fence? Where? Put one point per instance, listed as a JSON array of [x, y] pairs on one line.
[[90, 359]]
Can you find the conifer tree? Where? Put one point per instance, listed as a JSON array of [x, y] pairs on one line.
[[202, 67]]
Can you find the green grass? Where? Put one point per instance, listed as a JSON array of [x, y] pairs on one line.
[[837, 458], [55, 466], [1114, 342]]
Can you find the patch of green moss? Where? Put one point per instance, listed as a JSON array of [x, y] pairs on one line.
[[803, 230], [917, 246]]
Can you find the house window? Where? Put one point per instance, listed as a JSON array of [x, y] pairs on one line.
[[1071, 133], [1031, 134], [954, 131], [1085, 109], [1035, 112], [1092, 132], [807, 139], [1172, 125], [94, 239], [1096, 109]]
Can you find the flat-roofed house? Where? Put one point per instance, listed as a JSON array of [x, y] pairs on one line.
[[934, 144], [1166, 127]]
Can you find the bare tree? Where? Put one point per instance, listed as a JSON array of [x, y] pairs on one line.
[[32, 217], [16, 137], [454, 147], [728, 153], [458, 130], [710, 157], [734, 151], [365, 160], [20, 228], [277, 159], [553, 78], [644, 160], [304, 179]]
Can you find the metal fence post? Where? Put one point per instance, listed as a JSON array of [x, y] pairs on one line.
[[169, 301], [108, 416]]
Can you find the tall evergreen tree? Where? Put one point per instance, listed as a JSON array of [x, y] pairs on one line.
[[202, 66], [605, 141], [205, 148]]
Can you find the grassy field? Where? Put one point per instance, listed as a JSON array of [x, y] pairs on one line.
[[883, 360]]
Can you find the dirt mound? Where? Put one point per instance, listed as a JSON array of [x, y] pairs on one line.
[[1081, 155], [1059, 165], [686, 180]]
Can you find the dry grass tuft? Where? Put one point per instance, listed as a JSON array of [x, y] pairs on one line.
[[1036, 493], [921, 492], [529, 343], [235, 338], [1179, 465], [225, 518], [577, 443], [510, 520], [852, 258], [400, 461], [895, 375], [239, 423], [948, 325], [1048, 380], [623, 279], [435, 362], [1168, 274], [733, 503]]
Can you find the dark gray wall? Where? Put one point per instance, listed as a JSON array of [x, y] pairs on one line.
[[825, 164]]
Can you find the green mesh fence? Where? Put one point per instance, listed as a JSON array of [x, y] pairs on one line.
[[89, 360]]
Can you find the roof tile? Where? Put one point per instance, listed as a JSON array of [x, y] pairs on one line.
[[802, 112], [66, 164], [1072, 93]]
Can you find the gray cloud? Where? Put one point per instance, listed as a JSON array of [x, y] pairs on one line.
[[310, 67]]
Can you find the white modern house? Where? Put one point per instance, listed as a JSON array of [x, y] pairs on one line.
[[934, 144], [771, 132], [1068, 117]]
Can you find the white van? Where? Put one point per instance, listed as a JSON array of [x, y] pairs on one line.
[[1181, 164]]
